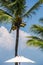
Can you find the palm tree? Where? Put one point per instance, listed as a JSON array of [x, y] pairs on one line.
[[36, 40], [15, 10]]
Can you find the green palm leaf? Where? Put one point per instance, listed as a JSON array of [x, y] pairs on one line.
[[35, 41], [6, 11], [4, 16], [11, 4], [35, 7], [37, 29]]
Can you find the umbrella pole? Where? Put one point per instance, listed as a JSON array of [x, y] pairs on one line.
[[19, 63], [16, 63]]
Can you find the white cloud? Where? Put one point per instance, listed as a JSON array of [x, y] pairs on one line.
[[7, 40]]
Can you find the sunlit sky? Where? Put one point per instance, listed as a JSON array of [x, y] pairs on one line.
[[7, 39]]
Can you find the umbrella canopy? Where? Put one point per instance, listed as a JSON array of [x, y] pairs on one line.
[[20, 59]]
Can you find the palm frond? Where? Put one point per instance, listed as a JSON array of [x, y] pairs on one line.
[[6, 11], [16, 6], [35, 41], [41, 1], [34, 37], [41, 20], [32, 9], [11, 4], [37, 29], [5, 2], [6, 5], [4, 17]]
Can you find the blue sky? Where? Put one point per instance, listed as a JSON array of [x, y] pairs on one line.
[[35, 18], [7, 40], [7, 47]]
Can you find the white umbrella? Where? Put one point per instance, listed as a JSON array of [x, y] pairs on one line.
[[20, 59]]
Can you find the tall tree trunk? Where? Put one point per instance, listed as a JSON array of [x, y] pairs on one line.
[[16, 45]]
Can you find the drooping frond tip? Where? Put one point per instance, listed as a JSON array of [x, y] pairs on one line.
[[37, 29], [41, 20], [35, 41]]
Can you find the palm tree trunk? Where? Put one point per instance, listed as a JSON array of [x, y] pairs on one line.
[[16, 45]]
